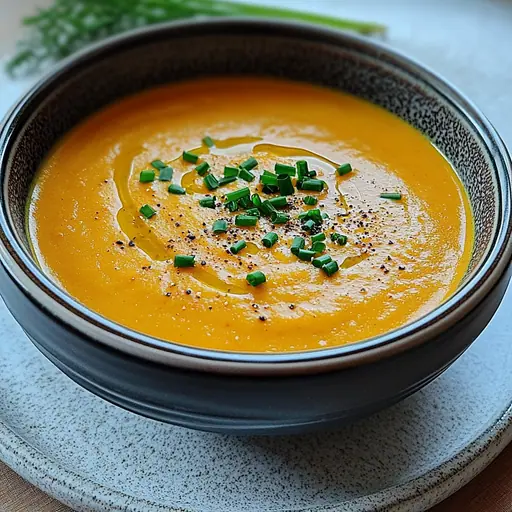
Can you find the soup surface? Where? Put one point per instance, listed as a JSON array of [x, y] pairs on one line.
[[397, 257]]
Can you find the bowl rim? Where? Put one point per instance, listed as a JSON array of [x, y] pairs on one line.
[[68, 311]]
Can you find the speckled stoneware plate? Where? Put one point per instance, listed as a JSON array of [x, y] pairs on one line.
[[94, 456]]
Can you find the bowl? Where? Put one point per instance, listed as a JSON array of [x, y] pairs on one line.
[[246, 393]]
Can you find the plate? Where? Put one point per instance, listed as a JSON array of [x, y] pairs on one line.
[[95, 457]]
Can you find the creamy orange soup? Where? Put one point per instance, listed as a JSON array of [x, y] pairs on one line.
[[395, 258]]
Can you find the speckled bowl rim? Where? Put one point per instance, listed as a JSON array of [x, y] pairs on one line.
[[416, 495], [65, 309]]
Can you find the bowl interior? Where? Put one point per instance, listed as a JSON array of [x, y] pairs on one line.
[[147, 59]]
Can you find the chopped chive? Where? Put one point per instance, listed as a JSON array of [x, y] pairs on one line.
[[165, 174], [298, 184], [202, 168], [249, 164], [256, 200], [256, 278], [211, 182], [147, 211], [270, 189], [147, 176], [176, 189], [207, 202], [310, 200], [344, 169], [269, 240], [279, 218], [232, 206], [246, 175], [311, 174], [302, 215], [314, 185], [269, 173], [297, 244], [325, 215], [321, 260], [320, 237], [219, 226], [226, 180], [238, 194], [158, 164], [331, 268], [315, 215], [238, 246], [190, 157], [302, 169], [246, 220], [267, 208], [208, 141], [318, 247], [245, 202], [391, 195], [284, 169], [182, 260], [285, 185], [305, 254], [230, 171], [339, 239], [253, 211], [268, 179], [278, 202], [309, 225]]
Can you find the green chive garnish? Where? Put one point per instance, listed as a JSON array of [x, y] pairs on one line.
[[208, 142], [183, 260], [270, 189], [315, 215], [176, 189], [311, 174], [310, 200], [147, 176], [202, 168], [267, 208], [298, 184], [256, 200], [207, 202], [285, 185], [246, 220], [232, 206], [268, 179], [226, 180], [302, 169], [165, 174], [302, 215], [147, 211], [211, 182], [330, 268], [278, 202], [339, 239], [320, 237], [309, 225], [321, 260], [284, 169], [249, 164], [297, 244], [314, 185], [246, 175], [325, 215], [190, 157], [391, 195], [245, 202], [256, 278], [253, 211], [279, 218], [219, 226], [238, 194], [269, 240], [230, 171], [158, 164], [344, 169], [238, 246], [305, 254], [318, 247]]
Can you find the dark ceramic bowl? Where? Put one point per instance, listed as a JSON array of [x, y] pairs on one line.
[[251, 393]]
